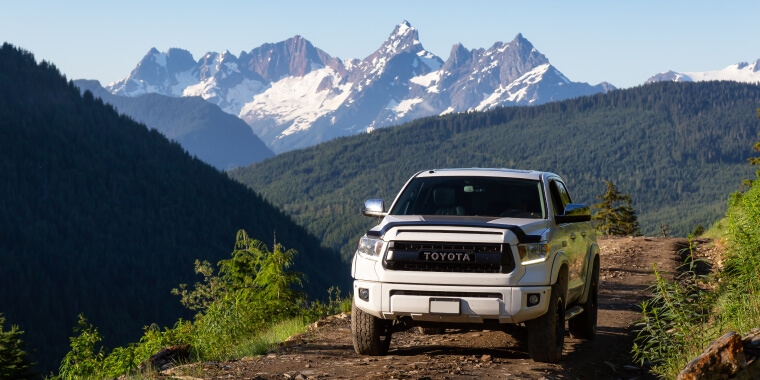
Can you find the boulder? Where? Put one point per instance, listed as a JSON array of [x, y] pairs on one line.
[[729, 357]]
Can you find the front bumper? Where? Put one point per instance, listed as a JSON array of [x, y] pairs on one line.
[[451, 304]]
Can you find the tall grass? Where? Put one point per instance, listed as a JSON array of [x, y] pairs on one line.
[[689, 312], [267, 340], [740, 277], [676, 320]]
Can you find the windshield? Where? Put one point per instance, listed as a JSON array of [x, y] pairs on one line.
[[472, 196]]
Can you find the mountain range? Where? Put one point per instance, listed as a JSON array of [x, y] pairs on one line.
[[739, 72], [293, 94]]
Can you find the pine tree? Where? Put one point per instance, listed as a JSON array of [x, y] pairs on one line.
[[615, 216], [14, 363]]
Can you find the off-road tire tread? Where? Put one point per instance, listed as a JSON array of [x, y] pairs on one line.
[[545, 343], [369, 333]]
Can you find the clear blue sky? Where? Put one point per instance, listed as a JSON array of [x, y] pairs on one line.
[[621, 42]]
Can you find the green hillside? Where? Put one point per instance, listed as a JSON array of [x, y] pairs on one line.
[[101, 216], [678, 149]]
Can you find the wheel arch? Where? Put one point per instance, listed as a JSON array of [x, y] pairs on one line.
[[594, 259], [560, 261]]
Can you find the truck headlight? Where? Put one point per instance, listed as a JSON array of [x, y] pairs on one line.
[[533, 253], [370, 247]]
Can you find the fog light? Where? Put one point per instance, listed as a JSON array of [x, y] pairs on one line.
[[364, 294], [533, 299]]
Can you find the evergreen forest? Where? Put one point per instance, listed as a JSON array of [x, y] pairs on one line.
[[678, 150], [101, 216]]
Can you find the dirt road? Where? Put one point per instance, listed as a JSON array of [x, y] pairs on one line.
[[326, 352]]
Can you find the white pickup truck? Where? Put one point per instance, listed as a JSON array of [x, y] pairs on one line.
[[477, 249]]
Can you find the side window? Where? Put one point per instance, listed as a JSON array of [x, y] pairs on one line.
[[560, 197]]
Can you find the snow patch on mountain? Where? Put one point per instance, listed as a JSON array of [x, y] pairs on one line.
[[296, 101], [186, 80], [515, 92], [401, 108], [429, 59], [429, 81], [160, 59]]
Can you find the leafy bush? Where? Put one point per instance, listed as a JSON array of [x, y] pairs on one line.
[[85, 360]]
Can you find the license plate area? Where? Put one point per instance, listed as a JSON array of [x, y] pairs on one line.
[[447, 306]]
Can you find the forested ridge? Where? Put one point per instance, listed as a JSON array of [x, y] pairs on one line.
[[202, 128], [678, 149], [101, 216]]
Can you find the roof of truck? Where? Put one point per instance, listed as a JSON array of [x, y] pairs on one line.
[[483, 172]]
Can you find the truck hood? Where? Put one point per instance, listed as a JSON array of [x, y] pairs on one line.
[[525, 230]]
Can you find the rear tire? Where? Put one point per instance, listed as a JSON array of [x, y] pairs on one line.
[[584, 325], [546, 334], [371, 335]]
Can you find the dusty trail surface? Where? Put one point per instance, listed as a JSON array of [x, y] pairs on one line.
[[326, 352]]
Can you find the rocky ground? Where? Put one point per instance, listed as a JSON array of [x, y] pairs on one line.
[[326, 351]]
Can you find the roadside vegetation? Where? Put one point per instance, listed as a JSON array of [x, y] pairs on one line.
[[244, 307], [690, 311]]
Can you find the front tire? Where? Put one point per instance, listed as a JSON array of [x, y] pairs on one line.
[[546, 334], [584, 325], [371, 335]]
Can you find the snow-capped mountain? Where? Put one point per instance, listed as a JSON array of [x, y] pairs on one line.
[[293, 94], [740, 72]]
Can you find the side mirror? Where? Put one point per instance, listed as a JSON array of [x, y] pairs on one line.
[[374, 208], [574, 212]]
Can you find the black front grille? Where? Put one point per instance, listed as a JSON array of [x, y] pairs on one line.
[[449, 257]]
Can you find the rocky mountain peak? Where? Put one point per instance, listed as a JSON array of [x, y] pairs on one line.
[[178, 60], [756, 66], [295, 56], [404, 38]]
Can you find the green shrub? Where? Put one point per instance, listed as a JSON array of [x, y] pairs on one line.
[[86, 358]]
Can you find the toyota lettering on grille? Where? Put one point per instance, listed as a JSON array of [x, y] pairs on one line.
[[447, 256]]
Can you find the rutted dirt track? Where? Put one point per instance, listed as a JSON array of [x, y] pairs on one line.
[[326, 352]]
